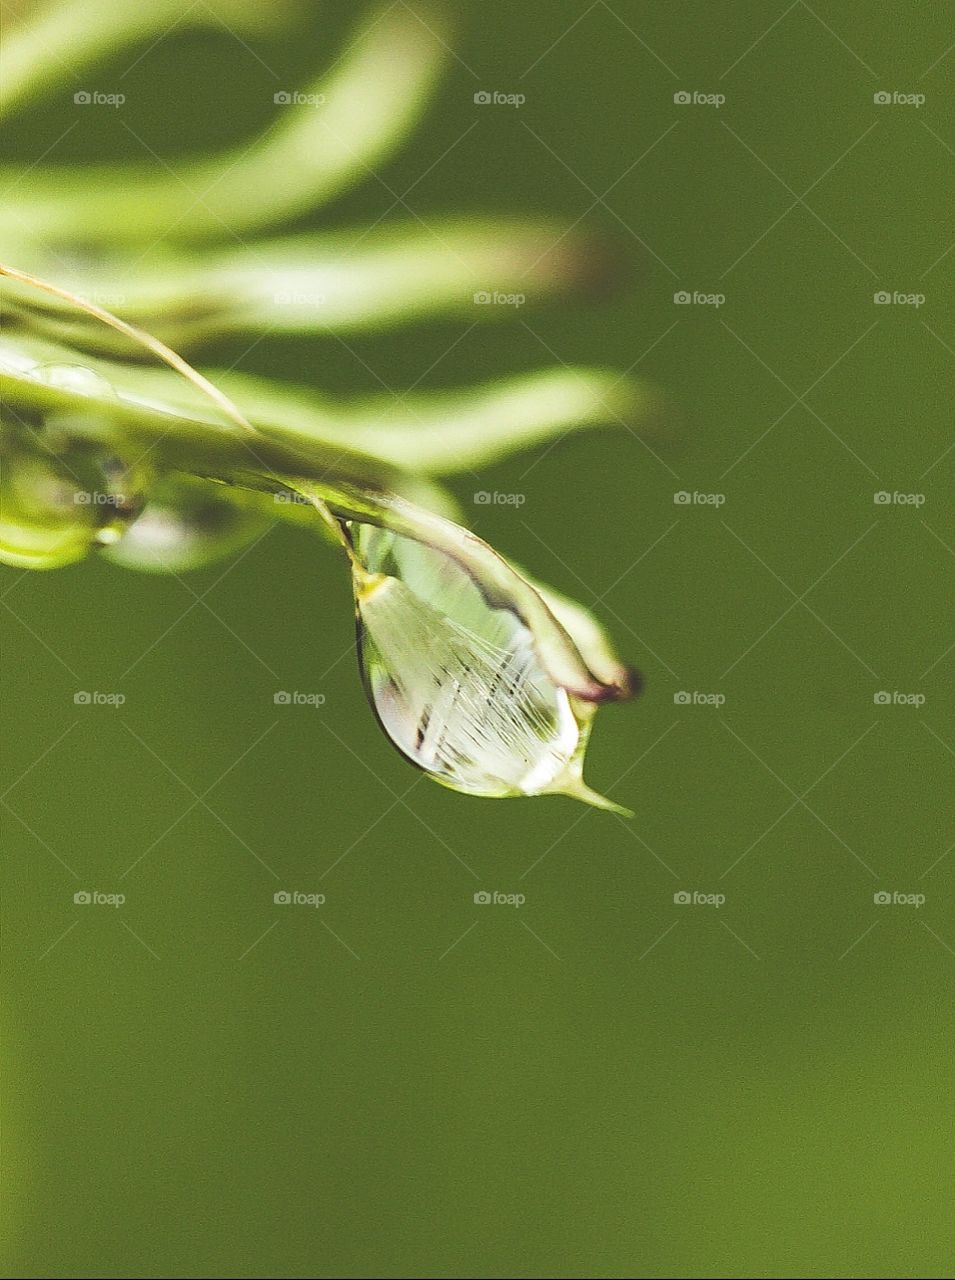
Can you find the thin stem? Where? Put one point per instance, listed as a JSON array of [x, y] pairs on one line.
[[139, 336]]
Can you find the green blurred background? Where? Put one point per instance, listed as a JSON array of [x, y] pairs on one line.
[[603, 1081]]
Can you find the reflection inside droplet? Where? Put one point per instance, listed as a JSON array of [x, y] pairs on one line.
[[185, 524], [455, 682], [55, 507]]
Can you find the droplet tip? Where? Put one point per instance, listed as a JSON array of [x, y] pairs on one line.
[[577, 789]]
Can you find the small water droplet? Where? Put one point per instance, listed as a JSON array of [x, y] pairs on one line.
[[74, 377], [56, 506], [185, 524]]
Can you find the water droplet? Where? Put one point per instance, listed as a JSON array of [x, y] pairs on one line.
[[74, 377], [54, 508], [456, 682], [185, 524]]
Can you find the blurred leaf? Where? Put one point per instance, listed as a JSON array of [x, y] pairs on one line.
[[54, 39], [363, 109], [430, 434], [343, 281]]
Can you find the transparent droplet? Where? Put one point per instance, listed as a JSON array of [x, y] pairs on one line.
[[455, 681], [54, 509], [74, 377], [185, 524]]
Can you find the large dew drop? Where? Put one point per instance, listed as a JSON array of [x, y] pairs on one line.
[[456, 682]]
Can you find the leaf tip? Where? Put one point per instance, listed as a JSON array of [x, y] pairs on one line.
[[577, 789]]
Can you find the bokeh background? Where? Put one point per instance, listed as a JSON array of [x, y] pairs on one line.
[[605, 1080]]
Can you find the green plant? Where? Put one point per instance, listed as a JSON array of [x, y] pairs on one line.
[[112, 442]]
